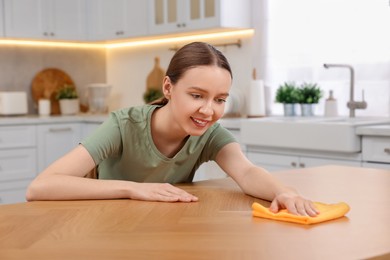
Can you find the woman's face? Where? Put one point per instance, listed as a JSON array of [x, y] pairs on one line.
[[198, 99]]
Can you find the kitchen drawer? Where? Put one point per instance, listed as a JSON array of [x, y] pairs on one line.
[[376, 149], [17, 136], [18, 164], [13, 192]]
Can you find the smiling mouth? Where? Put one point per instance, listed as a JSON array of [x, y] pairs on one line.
[[199, 122]]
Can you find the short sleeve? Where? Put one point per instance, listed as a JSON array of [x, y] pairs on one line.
[[105, 141]]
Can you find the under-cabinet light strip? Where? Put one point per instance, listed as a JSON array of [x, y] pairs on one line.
[[135, 43], [175, 40]]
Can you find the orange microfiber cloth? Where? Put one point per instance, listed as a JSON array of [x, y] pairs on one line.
[[327, 212]]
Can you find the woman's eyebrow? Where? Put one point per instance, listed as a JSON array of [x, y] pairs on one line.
[[205, 91]]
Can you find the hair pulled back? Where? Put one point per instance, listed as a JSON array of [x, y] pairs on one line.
[[190, 56]]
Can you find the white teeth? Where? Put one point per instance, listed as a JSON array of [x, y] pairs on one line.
[[201, 122]]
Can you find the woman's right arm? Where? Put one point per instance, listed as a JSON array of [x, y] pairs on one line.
[[64, 180]]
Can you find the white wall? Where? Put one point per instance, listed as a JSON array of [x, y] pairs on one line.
[[296, 37]]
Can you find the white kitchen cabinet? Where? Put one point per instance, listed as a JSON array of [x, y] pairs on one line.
[[18, 161], [276, 162], [55, 140], [108, 20], [88, 128], [1, 19], [45, 19], [175, 16], [376, 149]]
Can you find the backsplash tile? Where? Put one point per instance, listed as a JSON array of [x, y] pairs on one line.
[[19, 65]]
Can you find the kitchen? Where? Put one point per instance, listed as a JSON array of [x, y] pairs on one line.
[[288, 42]]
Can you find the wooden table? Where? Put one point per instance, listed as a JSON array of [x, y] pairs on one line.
[[219, 226]]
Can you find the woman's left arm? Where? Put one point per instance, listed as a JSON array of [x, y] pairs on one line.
[[257, 182]]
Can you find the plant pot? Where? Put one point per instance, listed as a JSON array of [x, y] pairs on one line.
[[307, 109], [69, 106], [289, 109]]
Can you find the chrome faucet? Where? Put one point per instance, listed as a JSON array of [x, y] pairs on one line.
[[352, 105]]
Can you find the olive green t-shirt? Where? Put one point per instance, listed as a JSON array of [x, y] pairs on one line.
[[123, 149]]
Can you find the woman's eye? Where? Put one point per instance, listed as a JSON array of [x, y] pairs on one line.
[[221, 100], [196, 96]]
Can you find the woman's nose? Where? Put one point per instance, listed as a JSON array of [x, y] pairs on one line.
[[207, 109]]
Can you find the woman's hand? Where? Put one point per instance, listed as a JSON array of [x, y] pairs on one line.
[[160, 192], [294, 204]]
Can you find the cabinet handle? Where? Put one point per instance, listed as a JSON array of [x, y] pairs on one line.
[[293, 164], [45, 34], [302, 165], [52, 34], [56, 130], [387, 150]]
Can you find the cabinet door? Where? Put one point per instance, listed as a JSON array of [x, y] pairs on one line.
[[1, 20], [18, 164], [67, 19], [273, 162], [165, 16], [24, 19], [13, 191], [45, 19], [174, 16], [109, 20], [313, 162], [56, 140]]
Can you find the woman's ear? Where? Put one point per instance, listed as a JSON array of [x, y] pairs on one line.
[[167, 87]]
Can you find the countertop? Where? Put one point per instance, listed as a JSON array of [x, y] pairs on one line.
[[219, 226], [377, 130], [37, 119], [230, 123]]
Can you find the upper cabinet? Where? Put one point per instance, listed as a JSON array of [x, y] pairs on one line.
[[109, 20], [1, 19], [45, 19], [175, 16]]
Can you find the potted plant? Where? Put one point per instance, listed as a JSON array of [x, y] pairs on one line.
[[68, 99], [309, 94], [288, 96], [151, 95]]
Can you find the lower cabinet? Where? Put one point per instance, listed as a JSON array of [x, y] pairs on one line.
[[276, 162], [13, 191], [18, 161], [55, 140]]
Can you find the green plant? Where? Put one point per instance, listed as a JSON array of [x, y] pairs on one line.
[[152, 94], [67, 92], [309, 93], [287, 93]]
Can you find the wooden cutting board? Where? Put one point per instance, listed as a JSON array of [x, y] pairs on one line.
[[46, 84], [156, 76]]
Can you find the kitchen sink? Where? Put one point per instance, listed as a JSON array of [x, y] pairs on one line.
[[333, 134]]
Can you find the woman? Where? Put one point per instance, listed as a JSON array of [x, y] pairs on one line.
[[138, 151]]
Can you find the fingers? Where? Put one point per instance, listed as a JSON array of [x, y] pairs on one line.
[[274, 207], [295, 205], [170, 193]]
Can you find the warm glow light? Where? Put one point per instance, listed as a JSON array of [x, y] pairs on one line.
[[198, 37], [132, 43], [51, 44]]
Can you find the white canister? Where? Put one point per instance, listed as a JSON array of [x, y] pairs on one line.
[[331, 106], [44, 108]]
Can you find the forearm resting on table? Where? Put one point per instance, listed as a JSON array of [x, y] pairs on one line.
[[63, 187], [259, 183]]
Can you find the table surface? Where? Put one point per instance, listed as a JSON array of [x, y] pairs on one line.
[[219, 226]]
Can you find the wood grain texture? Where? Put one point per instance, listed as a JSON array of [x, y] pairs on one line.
[[46, 84], [219, 226]]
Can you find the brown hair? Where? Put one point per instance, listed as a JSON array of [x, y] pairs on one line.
[[192, 55]]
